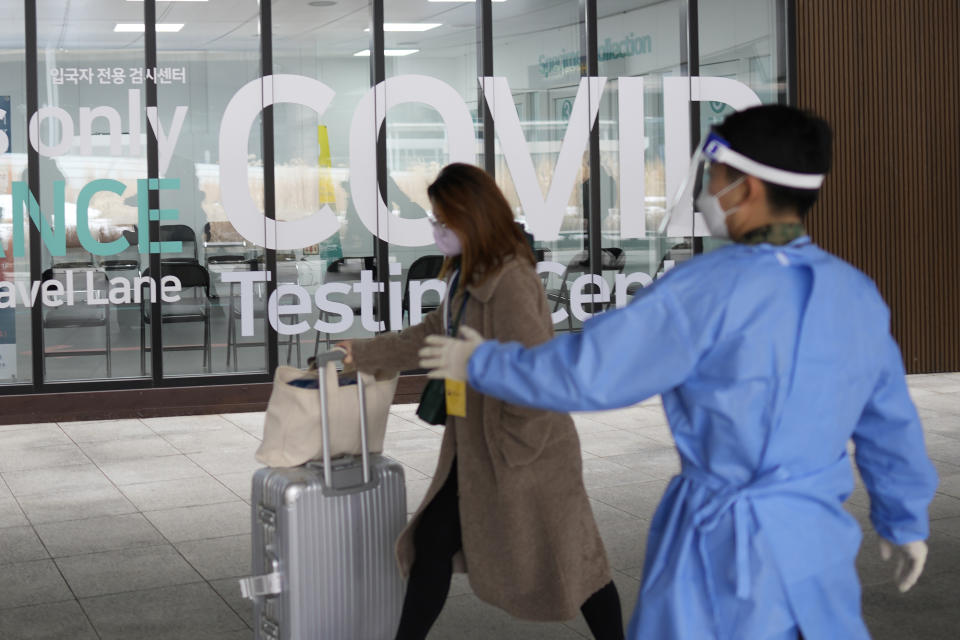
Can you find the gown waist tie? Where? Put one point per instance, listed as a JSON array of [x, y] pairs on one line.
[[738, 499]]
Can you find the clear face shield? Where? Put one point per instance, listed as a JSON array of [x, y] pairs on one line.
[[694, 188]]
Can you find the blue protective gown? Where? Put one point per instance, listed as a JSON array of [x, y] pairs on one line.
[[769, 360]]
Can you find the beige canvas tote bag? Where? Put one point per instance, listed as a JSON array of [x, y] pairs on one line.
[[291, 430]]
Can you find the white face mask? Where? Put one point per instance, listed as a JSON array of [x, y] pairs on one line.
[[713, 212], [715, 149], [447, 241]]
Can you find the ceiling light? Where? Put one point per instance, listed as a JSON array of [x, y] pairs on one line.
[[387, 52], [408, 26], [129, 27], [322, 3]]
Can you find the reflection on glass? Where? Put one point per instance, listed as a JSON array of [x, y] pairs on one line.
[[313, 173], [740, 44], [15, 329], [93, 203], [199, 70], [419, 140], [538, 53], [640, 43], [92, 144]]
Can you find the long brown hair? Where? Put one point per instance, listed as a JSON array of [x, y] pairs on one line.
[[468, 200]]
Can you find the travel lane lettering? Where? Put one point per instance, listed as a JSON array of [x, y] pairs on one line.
[[55, 236], [56, 292]]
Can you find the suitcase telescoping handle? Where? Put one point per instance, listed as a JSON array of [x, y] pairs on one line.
[[336, 355]]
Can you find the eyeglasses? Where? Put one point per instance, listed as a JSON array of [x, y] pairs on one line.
[[433, 220]]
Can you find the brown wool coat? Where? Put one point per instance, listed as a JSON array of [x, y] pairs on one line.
[[530, 543]]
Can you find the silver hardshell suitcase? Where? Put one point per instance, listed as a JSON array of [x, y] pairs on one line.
[[323, 544]]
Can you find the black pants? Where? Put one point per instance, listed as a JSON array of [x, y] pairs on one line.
[[437, 539]]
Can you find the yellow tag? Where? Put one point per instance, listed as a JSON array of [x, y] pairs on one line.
[[327, 192], [456, 392]]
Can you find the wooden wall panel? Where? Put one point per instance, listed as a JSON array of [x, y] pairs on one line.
[[886, 75], [32, 408]]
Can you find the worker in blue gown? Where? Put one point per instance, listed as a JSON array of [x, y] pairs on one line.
[[770, 355]]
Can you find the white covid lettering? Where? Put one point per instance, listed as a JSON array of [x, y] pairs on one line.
[[541, 214], [364, 130], [238, 118]]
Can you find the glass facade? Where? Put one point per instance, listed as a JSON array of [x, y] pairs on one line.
[[545, 176], [209, 189], [199, 69], [92, 158], [16, 331], [429, 123], [638, 49]]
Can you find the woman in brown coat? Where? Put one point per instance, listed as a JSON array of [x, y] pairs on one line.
[[507, 500]]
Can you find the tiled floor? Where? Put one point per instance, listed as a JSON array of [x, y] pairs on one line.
[[137, 529]]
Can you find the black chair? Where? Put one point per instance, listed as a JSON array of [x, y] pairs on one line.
[[79, 264], [76, 256], [612, 259], [423, 268], [221, 236], [168, 233], [125, 264], [186, 236], [195, 308], [543, 255], [86, 263], [226, 262], [680, 252], [239, 263], [346, 269], [129, 258], [80, 313], [227, 258], [217, 264], [288, 271], [353, 265]]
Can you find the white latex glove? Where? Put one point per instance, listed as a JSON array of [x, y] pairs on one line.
[[910, 560], [448, 357]]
